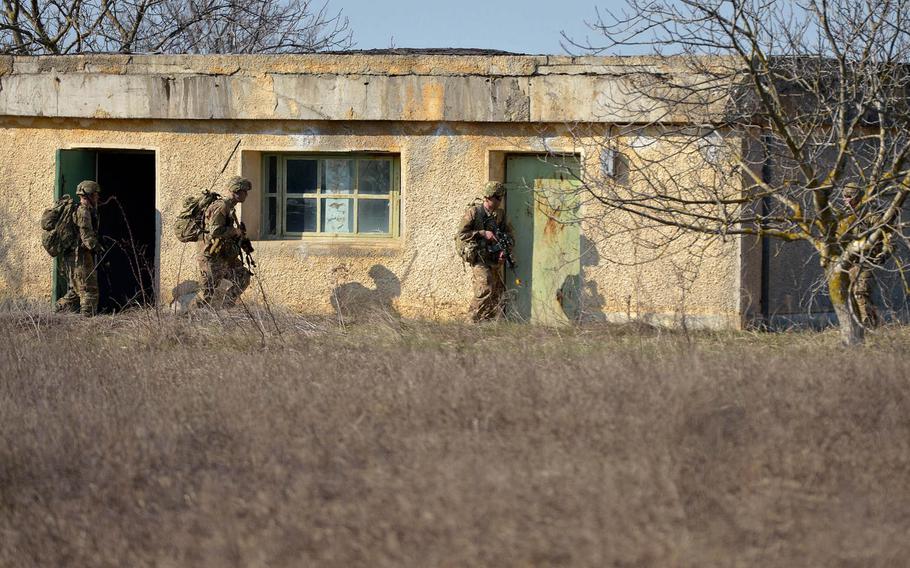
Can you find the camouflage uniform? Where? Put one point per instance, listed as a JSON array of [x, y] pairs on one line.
[[220, 258], [862, 280], [486, 268], [862, 276], [79, 264], [863, 283]]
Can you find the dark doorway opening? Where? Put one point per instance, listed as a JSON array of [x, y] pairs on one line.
[[127, 229]]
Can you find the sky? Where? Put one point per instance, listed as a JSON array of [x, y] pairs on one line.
[[521, 26]]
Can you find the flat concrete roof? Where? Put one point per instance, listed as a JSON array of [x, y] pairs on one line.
[[463, 87]]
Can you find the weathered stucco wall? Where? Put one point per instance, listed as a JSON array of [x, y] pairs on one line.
[[450, 119], [418, 274]]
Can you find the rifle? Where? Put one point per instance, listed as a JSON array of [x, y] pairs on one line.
[[503, 244], [246, 247]]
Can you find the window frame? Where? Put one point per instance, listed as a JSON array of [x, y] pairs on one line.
[[281, 195]]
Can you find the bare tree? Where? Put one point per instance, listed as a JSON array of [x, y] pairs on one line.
[[38, 27], [771, 118]]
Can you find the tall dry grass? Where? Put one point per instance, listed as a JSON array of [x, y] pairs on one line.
[[152, 440]]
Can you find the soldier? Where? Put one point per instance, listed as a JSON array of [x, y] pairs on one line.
[[79, 264], [863, 282], [220, 258], [476, 233], [862, 278], [862, 274]]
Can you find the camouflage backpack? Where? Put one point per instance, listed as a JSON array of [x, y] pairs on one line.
[[468, 250], [60, 232], [190, 224]]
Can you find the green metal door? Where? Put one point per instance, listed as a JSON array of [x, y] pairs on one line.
[[73, 166], [541, 204]]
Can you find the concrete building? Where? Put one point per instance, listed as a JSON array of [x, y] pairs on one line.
[[362, 165]]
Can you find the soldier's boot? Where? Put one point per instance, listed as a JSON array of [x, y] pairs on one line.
[[88, 296], [68, 303], [240, 281], [88, 305], [219, 296]]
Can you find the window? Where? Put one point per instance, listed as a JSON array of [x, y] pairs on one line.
[[354, 195]]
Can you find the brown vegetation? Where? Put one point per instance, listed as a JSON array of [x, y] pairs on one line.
[[139, 441]]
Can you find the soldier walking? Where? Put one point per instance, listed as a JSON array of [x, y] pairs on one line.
[[476, 233], [79, 263], [220, 258]]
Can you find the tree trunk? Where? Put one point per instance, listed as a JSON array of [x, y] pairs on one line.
[[851, 330]]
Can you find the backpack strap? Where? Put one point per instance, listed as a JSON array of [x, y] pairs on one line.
[[480, 216]]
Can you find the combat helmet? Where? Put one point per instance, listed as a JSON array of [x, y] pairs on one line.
[[494, 189], [237, 183], [87, 187]]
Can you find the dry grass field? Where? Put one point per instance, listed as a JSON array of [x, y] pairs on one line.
[[141, 440]]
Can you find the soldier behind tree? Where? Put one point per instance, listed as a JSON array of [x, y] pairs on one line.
[[862, 274], [476, 231], [79, 264], [220, 257]]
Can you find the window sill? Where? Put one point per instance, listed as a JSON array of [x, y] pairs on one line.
[[333, 246]]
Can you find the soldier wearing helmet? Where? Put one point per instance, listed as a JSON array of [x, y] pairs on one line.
[[475, 232], [79, 264], [220, 258]]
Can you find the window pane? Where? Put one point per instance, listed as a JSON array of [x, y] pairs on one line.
[[375, 176], [301, 215], [337, 215], [373, 216], [273, 174], [339, 176], [302, 176], [273, 215]]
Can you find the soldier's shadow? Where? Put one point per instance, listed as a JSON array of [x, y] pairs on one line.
[[591, 300], [353, 300]]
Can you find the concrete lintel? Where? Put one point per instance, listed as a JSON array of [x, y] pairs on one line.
[[584, 98], [329, 87], [304, 97]]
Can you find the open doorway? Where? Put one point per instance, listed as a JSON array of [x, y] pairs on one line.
[[127, 223]]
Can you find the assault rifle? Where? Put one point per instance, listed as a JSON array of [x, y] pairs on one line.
[[503, 244], [246, 245]]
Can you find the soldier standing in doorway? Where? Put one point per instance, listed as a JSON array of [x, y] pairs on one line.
[[476, 234], [79, 263], [223, 237]]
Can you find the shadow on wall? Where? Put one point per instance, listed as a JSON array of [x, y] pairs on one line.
[[591, 301], [353, 300]]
